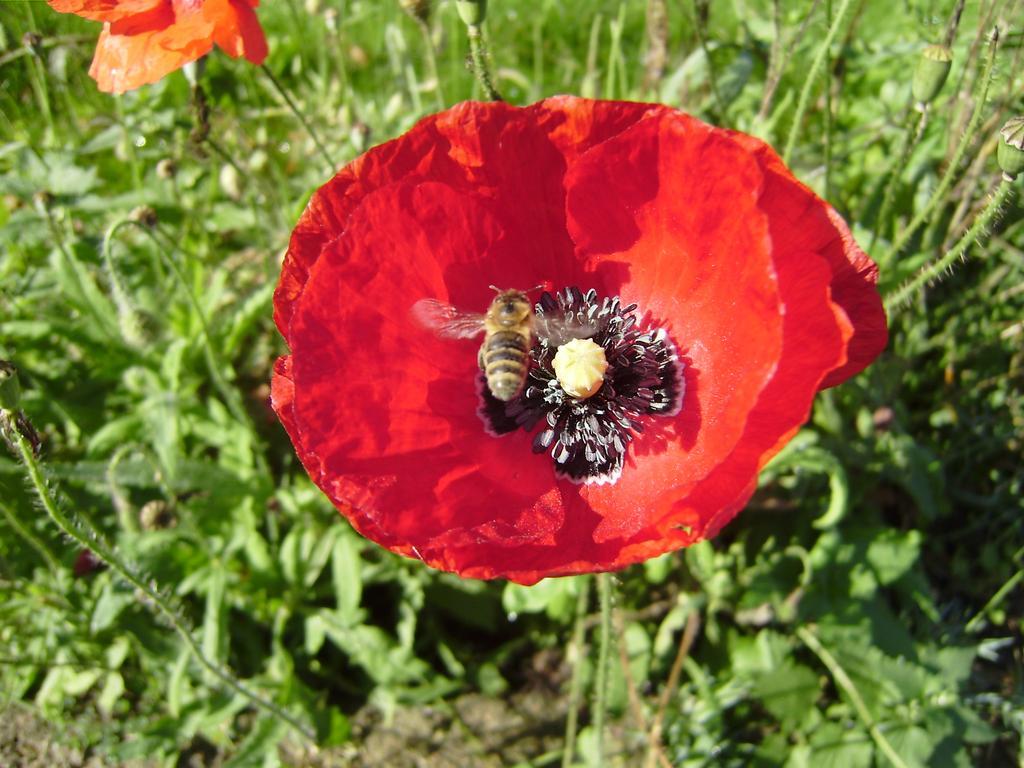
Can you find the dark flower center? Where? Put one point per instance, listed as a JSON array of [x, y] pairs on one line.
[[587, 438]]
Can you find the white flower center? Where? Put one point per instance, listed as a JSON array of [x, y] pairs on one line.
[[580, 366]]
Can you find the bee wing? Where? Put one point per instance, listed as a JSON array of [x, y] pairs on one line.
[[558, 330], [447, 321]]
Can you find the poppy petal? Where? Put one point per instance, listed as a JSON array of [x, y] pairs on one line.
[[107, 10], [125, 62], [699, 257], [515, 156], [389, 429], [802, 220], [143, 40]]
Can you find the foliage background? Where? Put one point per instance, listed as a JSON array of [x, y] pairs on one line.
[[871, 593]]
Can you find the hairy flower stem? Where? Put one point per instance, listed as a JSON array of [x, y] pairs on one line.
[[300, 116], [88, 538], [576, 683], [128, 317], [812, 75], [479, 59], [214, 363], [827, 144], [932, 271], [951, 169], [701, 9], [843, 681], [685, 644], [430, 52], [912, 132], [604, 591]]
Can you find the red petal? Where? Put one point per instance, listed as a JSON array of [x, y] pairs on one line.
[[125, 62], [695, 251], [517, 157], [803, 221], [382, 411], [237, 31], [108, 10]]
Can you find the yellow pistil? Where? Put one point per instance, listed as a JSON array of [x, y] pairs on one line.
[[580, 366]]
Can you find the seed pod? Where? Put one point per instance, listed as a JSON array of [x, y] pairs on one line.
[[931, 72], [1010, 153], [472, 12], [10, 390]]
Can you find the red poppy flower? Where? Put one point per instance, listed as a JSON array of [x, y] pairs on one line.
[[723, 294], [143, 40]]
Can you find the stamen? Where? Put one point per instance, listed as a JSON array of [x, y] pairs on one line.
[[595, 378]]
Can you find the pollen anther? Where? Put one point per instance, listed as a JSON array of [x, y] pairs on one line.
[[580, 366]]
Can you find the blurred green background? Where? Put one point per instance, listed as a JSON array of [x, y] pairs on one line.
[[864, 611]]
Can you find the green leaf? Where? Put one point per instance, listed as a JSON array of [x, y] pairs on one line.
[[108, 607], [259, 748], [892, 553], [556, 597], [788, 692], [833, 746], [346, 578], [113, 689], [214, 634]]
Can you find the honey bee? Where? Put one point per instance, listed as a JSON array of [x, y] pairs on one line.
[[509, 326]]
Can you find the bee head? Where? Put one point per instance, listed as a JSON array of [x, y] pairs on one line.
[[511, 307]]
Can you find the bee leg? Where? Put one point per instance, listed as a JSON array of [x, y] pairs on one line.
[[480, 357]]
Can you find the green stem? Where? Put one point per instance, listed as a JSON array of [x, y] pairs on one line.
[[843, 681], [812, 75], [931, 271], [995, 600], [576, 683], [128, 317], [214, 363], [951, 170], [88, 538], [301, 117], [911, 135], [700, 12], [479, 58], [431, 56], [828, 112], [604, 589], [30, 538]]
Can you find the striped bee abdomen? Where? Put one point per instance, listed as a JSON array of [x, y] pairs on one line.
[[504, 358]]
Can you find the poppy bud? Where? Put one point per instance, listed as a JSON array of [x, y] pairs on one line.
[[230, 182], [156, 515], [1010, 153], [418, 9], [86, 563], [10, 390], [32, 41], [166, 169], [331, 19], [931, 72], [472, 12], [580, 366], [43, 200], [145, 216]]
